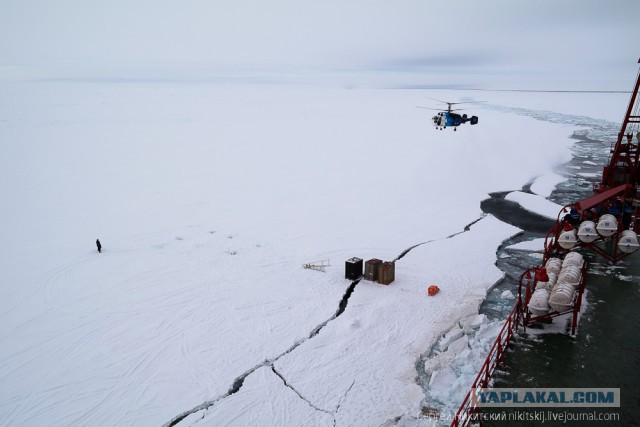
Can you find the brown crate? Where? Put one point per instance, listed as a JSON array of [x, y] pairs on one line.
[[371, 269], [386, 273]]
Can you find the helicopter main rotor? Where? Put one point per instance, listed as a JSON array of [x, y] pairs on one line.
[[450, 104]]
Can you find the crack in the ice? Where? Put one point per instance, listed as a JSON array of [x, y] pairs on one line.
[[239, 381], [600, 127], [466, 228], [289, 386], [344, 397], [332, 413], [206, 405], [343, 302], [406, 251]]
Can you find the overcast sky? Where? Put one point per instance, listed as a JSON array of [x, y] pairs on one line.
[[492, 38]]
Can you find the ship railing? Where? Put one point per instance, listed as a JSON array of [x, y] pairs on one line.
[[469, 409]]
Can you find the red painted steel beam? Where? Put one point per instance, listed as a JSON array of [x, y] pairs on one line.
[[592, 201]]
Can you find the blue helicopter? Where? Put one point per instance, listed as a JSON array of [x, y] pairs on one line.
[[448, 118]]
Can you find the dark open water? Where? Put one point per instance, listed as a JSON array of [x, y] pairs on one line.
[[605, 353]]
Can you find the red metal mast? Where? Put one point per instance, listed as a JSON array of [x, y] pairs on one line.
[[623, 164]]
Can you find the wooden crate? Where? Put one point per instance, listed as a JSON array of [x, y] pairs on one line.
[[371, 269], [386, 273]]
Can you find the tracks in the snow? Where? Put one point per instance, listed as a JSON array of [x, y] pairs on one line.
[[239, 381], [237, 384]]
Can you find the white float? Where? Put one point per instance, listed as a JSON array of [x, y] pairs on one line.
[[549, 284], [553, 265], [571, 275], [561, 297], [539, 302], [607, 225], [628, 242], [568, 239], [573, 258], [587, 231]]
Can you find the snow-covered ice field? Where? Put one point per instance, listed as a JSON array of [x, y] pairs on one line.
[[208, 198]]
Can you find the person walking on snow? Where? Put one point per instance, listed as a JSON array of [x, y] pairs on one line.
[[99, 245]]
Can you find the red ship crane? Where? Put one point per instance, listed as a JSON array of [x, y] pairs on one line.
[[623, 163], [615, 199]]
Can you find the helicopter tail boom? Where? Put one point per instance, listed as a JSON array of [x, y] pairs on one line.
[[473, 119]]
